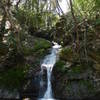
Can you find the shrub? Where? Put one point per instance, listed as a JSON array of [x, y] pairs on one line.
[[66, 54]]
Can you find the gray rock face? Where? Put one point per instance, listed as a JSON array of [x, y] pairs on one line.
[[7, 94]]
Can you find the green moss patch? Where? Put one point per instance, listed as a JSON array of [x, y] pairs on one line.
[[60, 66], [41, 44], [39, 47]]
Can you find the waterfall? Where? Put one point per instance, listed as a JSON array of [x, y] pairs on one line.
[[48, 63]]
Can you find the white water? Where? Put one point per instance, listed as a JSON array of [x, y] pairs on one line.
[[48, 64]]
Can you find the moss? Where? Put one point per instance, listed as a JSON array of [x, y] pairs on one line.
[[78, 72], [27, 51], [60, 66], [77, 69], [97, 22], [13, 78], [40, 52], [41, 44], [88, 84], [39, 47]]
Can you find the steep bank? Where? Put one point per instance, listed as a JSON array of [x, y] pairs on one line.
[[16, 71], [75, 80]]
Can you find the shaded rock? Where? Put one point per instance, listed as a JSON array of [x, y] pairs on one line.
[[8, 94], [11, 60], [31, 88], [75, 82]]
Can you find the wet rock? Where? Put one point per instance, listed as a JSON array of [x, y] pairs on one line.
[[44, 74]]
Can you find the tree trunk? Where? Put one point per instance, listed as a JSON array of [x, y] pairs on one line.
[[75, 27]]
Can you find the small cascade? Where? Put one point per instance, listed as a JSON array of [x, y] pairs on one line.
[[48, 63]]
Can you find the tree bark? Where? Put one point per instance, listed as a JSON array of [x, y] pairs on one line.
[[75, 27]]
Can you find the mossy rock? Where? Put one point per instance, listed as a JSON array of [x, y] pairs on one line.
[[40, 47], [13, 77], [60, 66], [80, 89], [41, 44], [77, 69], [27, 51], [79, 72]]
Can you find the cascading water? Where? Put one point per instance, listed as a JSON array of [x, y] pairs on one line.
[[48, 64]]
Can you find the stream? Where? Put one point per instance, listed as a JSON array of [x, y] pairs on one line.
[[48, 64]]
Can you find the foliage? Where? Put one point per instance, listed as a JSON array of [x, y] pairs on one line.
[[66, 54], [97, 22], [79, 31], [11, 41], [86, 8], [78, 69], [37, 17], [13, 78], [60, 66]]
